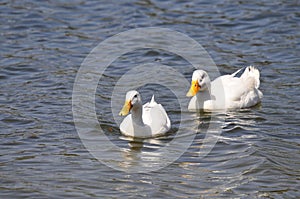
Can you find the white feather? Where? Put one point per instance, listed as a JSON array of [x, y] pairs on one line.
[[228, 91], [154, 118]]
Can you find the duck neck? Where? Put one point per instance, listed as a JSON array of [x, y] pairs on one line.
[[137, 114], [203, 95]]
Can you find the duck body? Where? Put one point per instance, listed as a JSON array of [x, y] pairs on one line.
[[227, 91], [145, 121]]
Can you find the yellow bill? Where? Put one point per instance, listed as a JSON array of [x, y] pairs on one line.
[[195, 87], [126, 108]]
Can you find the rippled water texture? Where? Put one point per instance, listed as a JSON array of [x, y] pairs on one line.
[[43, 44]]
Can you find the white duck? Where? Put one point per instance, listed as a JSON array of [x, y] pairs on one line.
[[225, 92], [145, 121]]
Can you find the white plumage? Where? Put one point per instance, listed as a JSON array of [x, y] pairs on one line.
[[225, 92], [145, 121]]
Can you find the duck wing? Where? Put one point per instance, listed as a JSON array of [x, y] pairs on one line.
[[155, 116], [240, 91]]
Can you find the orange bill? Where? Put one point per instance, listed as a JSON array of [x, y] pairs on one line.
[[126, 108], [195, 87]]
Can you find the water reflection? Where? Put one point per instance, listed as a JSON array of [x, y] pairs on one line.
[[147, 153], [144, 152], [141, 153]]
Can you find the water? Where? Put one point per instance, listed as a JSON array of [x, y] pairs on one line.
[[43, 44]]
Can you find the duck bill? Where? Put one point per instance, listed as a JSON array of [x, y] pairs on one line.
[[195, 87], [126, 108]]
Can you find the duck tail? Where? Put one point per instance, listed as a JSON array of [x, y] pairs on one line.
[[236, 72], [152, 100], [253, 72]]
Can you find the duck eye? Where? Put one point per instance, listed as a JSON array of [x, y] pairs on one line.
[[135, 96]]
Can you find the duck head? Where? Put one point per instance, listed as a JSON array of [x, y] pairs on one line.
[[200, 82], [132, 100]]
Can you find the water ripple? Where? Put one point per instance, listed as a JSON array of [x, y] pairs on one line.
[[42, 46]]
